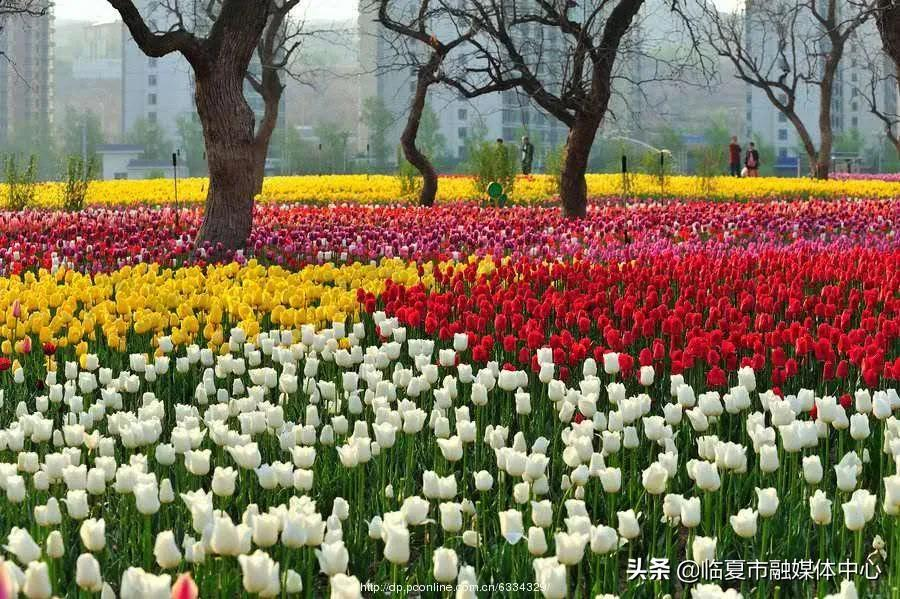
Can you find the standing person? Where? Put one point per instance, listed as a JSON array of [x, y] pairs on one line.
[[734, 157], [752, 161], [527, 155]]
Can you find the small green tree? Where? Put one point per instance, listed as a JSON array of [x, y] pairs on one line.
[[82, 134], [378, 120], [152, 138], [490, 162], [190, 134], [430, 139], [332, 157], [20, 182], [553, 164], [661, 165], [79, 175], [708, 161], [409, 178]]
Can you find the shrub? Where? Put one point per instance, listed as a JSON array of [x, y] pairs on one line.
[[21, 186], [408, 175], [78, 178], [553, 167], [489, 164]]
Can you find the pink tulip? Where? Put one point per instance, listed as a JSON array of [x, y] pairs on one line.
[[6, 582], [184, 588]]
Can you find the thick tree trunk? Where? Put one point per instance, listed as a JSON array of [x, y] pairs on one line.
[[236, 161], [572, 185], [822, 165], [408, 138], [888, 20]]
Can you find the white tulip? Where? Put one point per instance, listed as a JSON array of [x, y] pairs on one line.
[[767, 502], [628, 524], [37, 581], [445, 564], [87, 573], [333, 558], [93, 534], [744, 523], [56, 548], [812, 469], [22, 546], [166, 551], [820, 508], [570, 547], [703, 549], [259, 572], [511, 526]]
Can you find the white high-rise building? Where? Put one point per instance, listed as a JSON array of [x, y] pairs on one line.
[[161, 90], [507, 115], [26, 75], [850, 112]]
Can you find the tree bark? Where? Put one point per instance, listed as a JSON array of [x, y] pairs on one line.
[[572, 185], [413, 154], [826, 92], [236, 160], [888, 21]]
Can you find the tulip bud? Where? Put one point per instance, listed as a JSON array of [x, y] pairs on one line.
[[445, 564], [37, 581], [87, 573], [820, 508], [55, 545]]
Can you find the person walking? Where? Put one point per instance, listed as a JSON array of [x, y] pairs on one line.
[[752, 161], [527, 155], [734, 157]]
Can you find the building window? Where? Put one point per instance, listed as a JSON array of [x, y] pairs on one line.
[[151, 80], [462, 132], [782, 152], [782, 118], [749, 116], [854, 122], [151, 116], [151, 99], [782, 134], [462, 113], [854, 77], [153, 62], [854, 106]]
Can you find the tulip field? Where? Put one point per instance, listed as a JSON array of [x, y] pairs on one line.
[[689, 397]]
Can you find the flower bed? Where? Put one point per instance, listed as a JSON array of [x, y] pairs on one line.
[[467, 396], [535, 189]]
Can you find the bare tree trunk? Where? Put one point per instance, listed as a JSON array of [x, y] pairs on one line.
[[888, 20], [826, 91], [408, 138], [236, 161], [573, 186]]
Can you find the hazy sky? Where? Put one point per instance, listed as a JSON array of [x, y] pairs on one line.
[[97, 10]]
